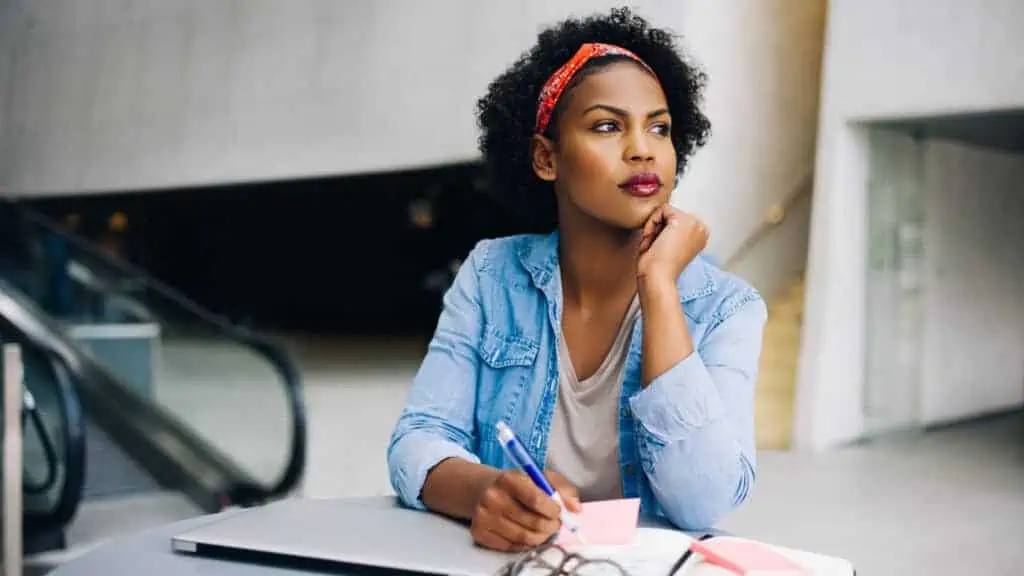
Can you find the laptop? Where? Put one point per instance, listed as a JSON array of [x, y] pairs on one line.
[[335, 534]]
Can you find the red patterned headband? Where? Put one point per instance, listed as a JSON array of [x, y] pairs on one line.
[[558, 81]]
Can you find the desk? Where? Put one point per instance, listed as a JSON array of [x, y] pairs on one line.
[[149, 553]]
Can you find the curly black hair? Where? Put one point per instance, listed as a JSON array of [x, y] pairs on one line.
[[507, 112]]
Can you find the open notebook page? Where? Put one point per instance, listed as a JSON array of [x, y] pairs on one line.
[[653, 552]]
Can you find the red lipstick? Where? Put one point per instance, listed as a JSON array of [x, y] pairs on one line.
[[642, 185]]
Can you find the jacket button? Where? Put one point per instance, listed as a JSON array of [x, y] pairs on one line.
[[629, 468]]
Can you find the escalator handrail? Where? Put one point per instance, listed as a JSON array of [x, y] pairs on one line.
[[74, 441], [30, 414], [73, 437], [271, 351]]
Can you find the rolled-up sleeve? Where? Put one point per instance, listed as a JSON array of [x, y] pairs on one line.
[[437, 421], [696, 434]]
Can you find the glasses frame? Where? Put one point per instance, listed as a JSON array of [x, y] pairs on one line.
[[569, 565], [572, 562]]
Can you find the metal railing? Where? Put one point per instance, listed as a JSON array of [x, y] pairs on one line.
[[776, 215]]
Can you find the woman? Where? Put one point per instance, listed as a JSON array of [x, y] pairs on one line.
[[623, 359]]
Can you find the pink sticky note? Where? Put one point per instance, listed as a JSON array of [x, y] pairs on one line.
[[605, 523], [746, 557]]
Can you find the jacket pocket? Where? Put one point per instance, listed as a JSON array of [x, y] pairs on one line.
[[508, 371], [500, 350]]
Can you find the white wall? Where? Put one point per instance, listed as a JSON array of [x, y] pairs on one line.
[[973, 341], [778, 257], [103, 94], [923, 57], [882, 59], [763, 58]]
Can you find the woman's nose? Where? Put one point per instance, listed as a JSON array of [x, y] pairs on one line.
[[638, 147]]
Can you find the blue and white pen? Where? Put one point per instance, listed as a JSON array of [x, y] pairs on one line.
[[517, 452]]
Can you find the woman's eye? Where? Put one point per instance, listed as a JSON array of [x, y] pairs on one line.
[[605, 126], [662, 129]]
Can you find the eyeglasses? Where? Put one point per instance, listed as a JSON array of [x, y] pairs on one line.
[[553, 560]]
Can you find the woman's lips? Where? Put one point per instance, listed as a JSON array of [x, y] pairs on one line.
[[642, 185]]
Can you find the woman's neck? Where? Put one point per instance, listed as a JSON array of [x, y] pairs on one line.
[[597, 262]]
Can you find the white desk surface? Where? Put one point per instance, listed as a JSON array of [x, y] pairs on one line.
[[149, 553]]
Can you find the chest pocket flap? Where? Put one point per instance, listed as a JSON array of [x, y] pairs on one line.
[[501, 350]]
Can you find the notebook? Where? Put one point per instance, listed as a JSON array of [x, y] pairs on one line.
[[656, 551]]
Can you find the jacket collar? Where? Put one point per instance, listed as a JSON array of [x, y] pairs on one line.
[[539, 256]]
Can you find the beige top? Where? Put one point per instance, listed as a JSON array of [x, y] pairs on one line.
[[584, 441]]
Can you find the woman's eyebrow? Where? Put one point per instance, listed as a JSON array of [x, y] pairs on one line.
[[620, 112]]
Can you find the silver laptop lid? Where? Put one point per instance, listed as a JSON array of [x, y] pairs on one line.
[[349, 532]]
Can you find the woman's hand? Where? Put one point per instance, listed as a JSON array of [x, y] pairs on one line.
[[513, 514], [669, 241]]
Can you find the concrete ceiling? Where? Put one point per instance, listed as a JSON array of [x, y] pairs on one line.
[[1002, 130]]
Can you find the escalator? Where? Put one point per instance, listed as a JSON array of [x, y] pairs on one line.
[[145, 392]]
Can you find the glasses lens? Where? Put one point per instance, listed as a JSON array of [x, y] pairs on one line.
[[551, 560]]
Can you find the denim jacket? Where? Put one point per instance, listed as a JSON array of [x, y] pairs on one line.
[[686, 441]]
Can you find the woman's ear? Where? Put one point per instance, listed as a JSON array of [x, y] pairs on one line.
[[542, 151]]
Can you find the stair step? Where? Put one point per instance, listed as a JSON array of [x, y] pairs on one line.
[[780, 355], [776, 383], [781, 388], [777, 363], [784, 355], [781, 384], [782, 324], [773, 351], [789, 310]]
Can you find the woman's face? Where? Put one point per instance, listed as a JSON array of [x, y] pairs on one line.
[[613, 159]]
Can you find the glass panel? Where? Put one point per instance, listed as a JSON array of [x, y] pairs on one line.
[[894, 320], [228, 394]]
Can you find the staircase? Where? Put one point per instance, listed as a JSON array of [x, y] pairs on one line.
[[776, 385]]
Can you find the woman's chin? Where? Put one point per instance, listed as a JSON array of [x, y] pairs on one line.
[[629, 225], [641, 214]]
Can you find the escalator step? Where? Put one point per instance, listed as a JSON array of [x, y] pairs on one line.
[[109, 471]]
